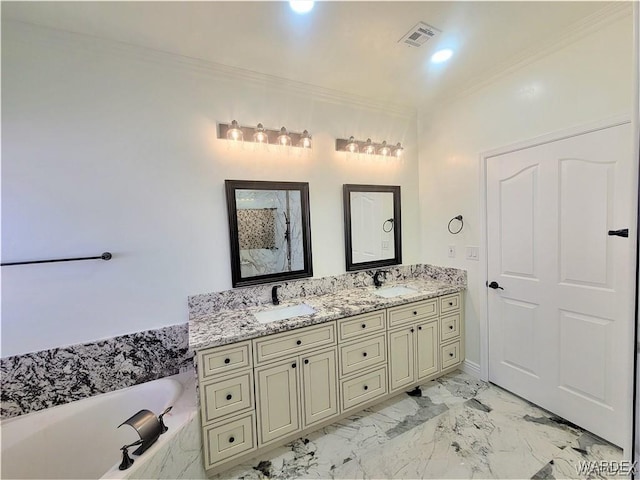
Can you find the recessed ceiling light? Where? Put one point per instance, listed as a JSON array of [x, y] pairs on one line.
[[301, 6], [441, 55]]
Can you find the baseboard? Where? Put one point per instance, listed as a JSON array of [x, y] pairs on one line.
[[471, 368]]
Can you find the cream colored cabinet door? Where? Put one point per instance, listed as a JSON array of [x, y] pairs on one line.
[[319, 387], [278, 408], [427, 349], [401, 358]]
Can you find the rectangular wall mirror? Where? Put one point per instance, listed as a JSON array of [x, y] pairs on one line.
[[372, 226], [270, 231]]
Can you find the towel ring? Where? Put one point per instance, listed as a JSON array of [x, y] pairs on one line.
[[459, 218], [384, 228]]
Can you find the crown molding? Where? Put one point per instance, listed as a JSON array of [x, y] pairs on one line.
[[67, 39], [613, 12]]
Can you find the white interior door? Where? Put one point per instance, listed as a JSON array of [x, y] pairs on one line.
[[366, 227], [560, 323]]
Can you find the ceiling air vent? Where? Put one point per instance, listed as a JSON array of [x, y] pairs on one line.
[[419, 35]]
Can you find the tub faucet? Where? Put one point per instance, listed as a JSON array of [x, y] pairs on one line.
[[274, 295], [376, 278], [148, 427]]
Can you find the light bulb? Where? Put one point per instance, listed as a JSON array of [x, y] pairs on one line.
[[284, 139], [260, 136], [352, 145], [369, 148], [384, 150], [234, 133], [305, 140]]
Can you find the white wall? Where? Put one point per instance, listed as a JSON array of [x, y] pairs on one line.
[[586, 81], [107, 147]]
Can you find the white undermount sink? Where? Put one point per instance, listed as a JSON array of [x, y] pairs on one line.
[[395, 291], [282, 313]]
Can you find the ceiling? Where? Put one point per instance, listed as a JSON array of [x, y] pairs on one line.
[[350, 47]]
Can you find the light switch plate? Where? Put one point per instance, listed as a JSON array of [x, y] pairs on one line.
[[473, 253]]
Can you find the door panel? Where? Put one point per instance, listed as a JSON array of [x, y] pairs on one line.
[[584, 221], [401, 355], [278, 401], [517, 224], [558, 332], [427, 345], [320, 393]]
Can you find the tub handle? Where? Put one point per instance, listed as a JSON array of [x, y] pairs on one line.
[[163, 427], [127, 461]]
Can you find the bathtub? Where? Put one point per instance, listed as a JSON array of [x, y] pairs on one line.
[[81, 439]]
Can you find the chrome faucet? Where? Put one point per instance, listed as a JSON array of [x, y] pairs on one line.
[[376, 278], [274, 295]]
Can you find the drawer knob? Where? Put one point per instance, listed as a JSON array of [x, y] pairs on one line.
[[451, 304], [420, 328], [229, 397], [451, 354], [227, 360], [450, 327], [306, 361], [293, 365], [412, 330], [366, 388], [231, 439], [364, 354], [299, 342], [415, 313], [364, 325]]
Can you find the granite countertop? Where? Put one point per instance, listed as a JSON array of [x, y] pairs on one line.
[[234, 325]]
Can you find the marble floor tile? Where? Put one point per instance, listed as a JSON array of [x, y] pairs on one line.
[[453, 427]]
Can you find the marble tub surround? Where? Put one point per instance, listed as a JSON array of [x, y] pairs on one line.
[[39, 380], [456, 427], [204, 305], [229, 326]]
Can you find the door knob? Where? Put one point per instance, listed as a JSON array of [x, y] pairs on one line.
[[494, 285]]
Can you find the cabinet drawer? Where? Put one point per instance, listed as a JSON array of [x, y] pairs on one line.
[[223, 360], [226, 395], [354, 327], [413, 311], [450, 327], [228, 440], [362, 354], [449, 303], [275, 347], [450, 354], [363, 388]]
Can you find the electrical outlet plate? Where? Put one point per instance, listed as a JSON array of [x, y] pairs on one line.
[[452, 251]]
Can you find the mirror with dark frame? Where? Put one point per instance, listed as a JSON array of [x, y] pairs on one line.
[[372, 226], [270, 231]]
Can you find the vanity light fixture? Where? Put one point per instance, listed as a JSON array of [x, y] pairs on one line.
[[351, 145], [259, 135]]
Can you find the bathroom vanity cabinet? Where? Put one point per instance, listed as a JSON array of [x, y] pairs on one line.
[[261, 393]]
